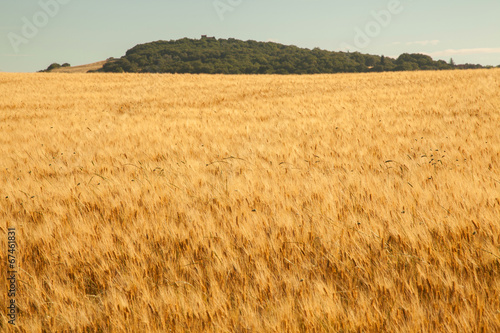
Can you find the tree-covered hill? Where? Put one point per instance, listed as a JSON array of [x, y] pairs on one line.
[[232, 56]]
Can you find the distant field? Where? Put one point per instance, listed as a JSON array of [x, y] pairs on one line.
[[189, 203], [80, 69]]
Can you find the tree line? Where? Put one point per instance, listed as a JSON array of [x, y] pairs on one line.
[[232, 56]]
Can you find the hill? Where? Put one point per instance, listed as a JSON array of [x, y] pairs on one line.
[[232, 56]]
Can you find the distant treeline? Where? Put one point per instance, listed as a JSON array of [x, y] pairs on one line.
[[232, 56]]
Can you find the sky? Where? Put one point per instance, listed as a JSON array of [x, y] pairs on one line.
[[36, 33]]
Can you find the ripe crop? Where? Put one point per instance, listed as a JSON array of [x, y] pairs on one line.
[[185, 203]]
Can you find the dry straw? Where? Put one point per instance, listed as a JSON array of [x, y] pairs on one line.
[[185, 203]]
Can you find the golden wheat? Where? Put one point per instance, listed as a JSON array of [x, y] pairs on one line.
[[186, 203]]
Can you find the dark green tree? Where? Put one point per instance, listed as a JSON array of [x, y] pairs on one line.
[[53, 66]]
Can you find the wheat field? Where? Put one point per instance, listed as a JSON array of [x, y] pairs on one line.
[[196, 203]]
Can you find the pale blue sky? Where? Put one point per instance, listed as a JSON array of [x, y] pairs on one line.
[[85, 31]]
